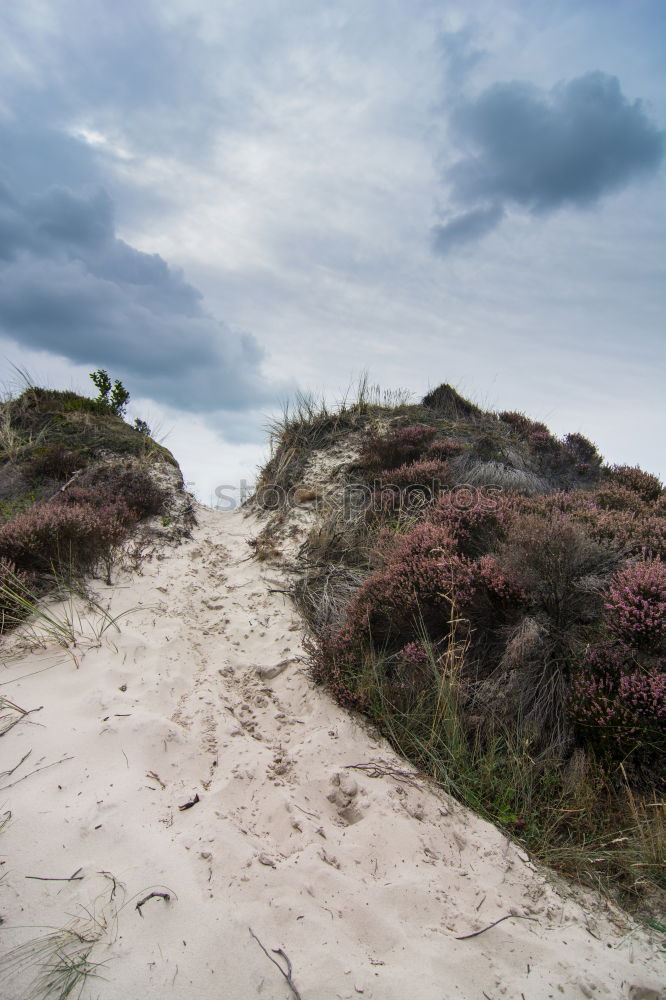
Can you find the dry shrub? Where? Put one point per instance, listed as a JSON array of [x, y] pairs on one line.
[[55, 461], [430, 473], [323, 595], [69, 537], [450, 404], [131, 484], [475, 520], [401, 445], [264, 546], [342, 536], [647, 486], [560, 567], [583, 450], [444, 449]]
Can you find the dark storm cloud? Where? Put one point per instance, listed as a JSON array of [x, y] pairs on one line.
[[544, 150], [68, 285], [466, 228]]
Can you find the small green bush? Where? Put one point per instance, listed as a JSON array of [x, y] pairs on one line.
[[113, 397]]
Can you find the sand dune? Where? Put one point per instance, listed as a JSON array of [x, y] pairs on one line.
[[304, 827]]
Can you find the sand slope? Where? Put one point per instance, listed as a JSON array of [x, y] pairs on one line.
[[364, 882]]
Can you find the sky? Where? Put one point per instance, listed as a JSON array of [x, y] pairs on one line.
[[224, 203]]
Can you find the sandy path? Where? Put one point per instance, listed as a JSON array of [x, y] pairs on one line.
[[364, 882]]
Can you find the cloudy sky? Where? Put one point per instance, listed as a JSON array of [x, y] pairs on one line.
[[221, 202]]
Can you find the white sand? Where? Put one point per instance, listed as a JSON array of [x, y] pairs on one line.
[[364, 882]]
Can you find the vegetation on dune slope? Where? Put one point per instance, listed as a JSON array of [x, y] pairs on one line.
[[495, 604], [75, 479]]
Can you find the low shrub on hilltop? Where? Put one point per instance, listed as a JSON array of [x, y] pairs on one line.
[[50, 438]]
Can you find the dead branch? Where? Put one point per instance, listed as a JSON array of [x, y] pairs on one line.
[[509, 916], [382, 769], [53, 878], [282, 954], [23, 714], [8, 774], [36, 771], [152, 895]]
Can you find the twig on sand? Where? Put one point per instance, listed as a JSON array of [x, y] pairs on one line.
[[314, 815], [192, 802], [48, 878], [37, 769], [509, 916], [382, 768], [152, 895], [282, 954], [112, 879], [23, 714], [8, 774]]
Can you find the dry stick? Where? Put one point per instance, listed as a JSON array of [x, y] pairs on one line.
[[188, 805], [21, 717], [509, 916], [112, 879], [382, 769], [45, 878], [37, 769], [152, 895], [314, 815], [282, 954], [8, 774]]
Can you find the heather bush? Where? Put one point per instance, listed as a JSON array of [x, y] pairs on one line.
[[400, 445], [635, 606], [444, 449], [647, 486], [68, 537], [522, 424], [431, 474], [574, 456], [612, 496], [618, 702], [476, 519], [74, 496], [607, 514], [421, 578], [129, 483]]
